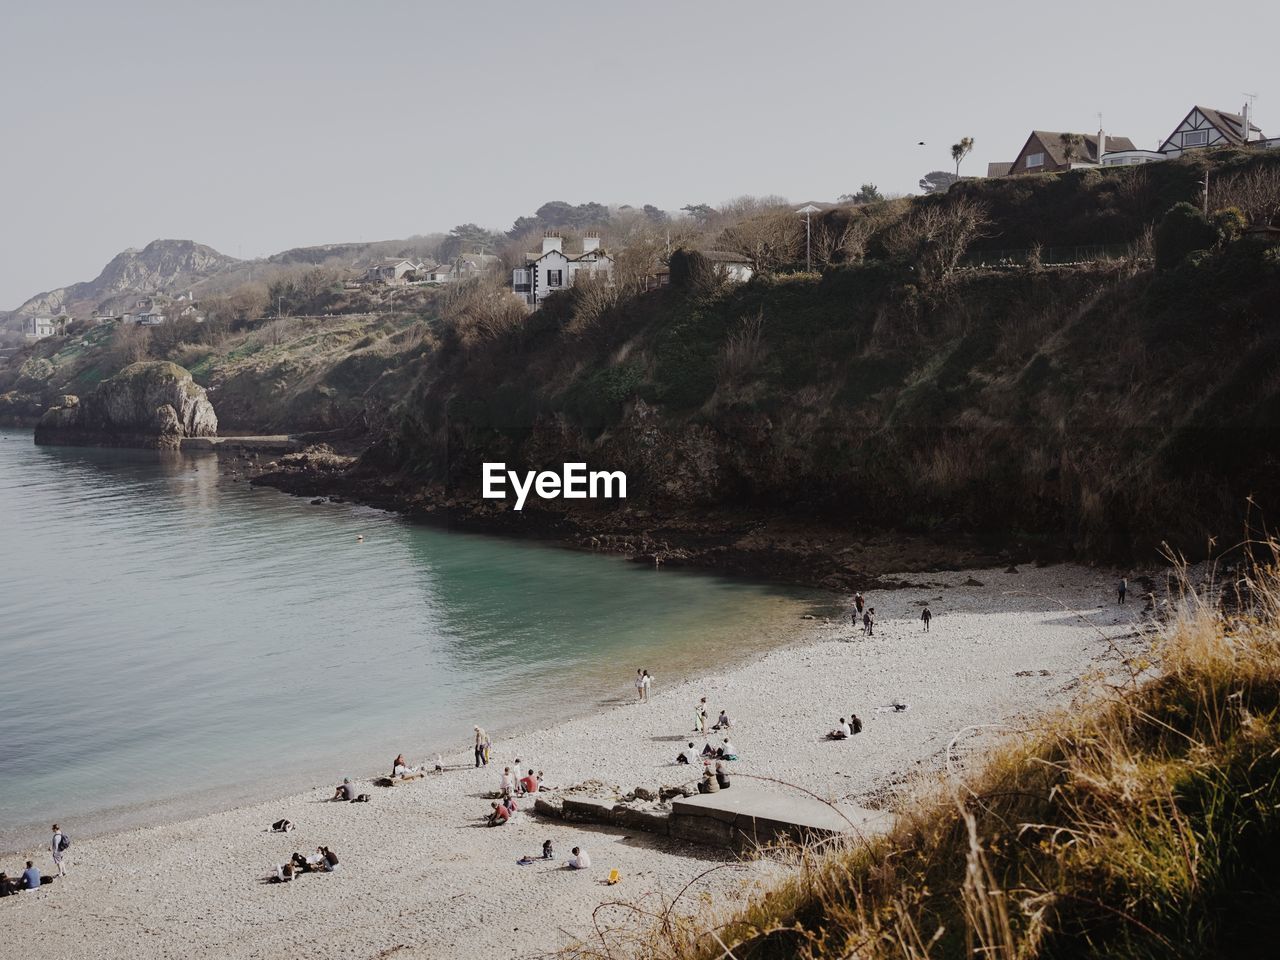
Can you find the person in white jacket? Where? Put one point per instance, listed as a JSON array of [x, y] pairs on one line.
[[579, 860]]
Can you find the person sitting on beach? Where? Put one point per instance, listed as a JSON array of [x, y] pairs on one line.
[[282, 826], [506, 784], [31, 877], [723, 722], [708, 750], [328, 860], [399, 766], [345, 791], [548, 851], [708, 783], [855, 723], [500, 814], [727, 751], [529, 783], [722, 776], [688, 755], [9, 886], [579, 860], [284, 873], [839, 733], [439, 764]]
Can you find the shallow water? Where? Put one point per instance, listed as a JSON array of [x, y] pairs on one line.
[[173, 641]]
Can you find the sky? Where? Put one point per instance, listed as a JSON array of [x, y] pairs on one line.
[[258, 126]]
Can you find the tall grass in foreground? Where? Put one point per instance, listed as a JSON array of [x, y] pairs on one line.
[[1144, 825]]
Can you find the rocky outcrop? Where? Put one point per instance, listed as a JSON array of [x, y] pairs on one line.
[[148, 404]]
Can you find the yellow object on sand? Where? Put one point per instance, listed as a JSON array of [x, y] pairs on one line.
[[614, 877]]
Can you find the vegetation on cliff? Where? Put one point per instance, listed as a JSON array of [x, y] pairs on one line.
[[1095, 408], [1144, 826]]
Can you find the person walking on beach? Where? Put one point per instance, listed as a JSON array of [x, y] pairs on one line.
[[925, 617], [858, 602], [1123, 589], [700, 716], [869, 621], [57, 847], [648, 684], [639, 685], [482, 747]]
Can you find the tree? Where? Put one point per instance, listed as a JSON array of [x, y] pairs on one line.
[[699, 211], [937, 181], [867, 193], [467, 238], [655, 214], [936, 235], [961, 150], [1183, 230], [768, 240], [1071, 146]]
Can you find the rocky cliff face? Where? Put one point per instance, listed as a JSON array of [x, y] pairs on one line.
[[149, 404], [162, 266]]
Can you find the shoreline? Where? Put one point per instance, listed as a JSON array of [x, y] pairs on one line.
[[423, 879]]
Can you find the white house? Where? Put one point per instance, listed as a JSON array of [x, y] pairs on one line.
[[37, 328], [1205, 127], [734, 266], [544, 273], [391, 270]]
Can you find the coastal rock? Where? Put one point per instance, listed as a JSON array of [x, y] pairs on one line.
[[645, 793], [147, 404]]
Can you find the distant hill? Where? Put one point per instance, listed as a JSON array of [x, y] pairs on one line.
[[162, 266], [175, 266]]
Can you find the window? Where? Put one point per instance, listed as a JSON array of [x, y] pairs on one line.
[[555, 278], [1195, 138], [1035, 160]]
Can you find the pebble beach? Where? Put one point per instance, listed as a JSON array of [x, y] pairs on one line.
[[421, 876]]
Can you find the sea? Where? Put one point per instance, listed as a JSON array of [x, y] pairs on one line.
[[174, 640]]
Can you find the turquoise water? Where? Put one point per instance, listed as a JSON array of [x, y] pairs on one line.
[[172, 640]]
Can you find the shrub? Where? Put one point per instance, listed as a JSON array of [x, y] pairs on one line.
[[1183, 230]]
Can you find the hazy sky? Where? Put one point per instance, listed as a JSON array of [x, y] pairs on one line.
[[258, 126]]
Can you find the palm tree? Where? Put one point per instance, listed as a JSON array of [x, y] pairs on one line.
[[959, 151], [1071, 144]]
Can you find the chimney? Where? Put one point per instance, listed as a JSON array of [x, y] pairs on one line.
[[550, 241], [591, 242], [1102, 144], [1244, 125]]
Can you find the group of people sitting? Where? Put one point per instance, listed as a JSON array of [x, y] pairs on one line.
[[30, 879], [323, 861], [503, 811], [846, 729], [713, 781], [725, 751], [514, 785]]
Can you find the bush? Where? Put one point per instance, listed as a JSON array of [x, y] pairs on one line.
[[1183, 229]]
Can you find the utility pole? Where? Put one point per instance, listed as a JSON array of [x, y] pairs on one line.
[[808, 210], [1206, 193]]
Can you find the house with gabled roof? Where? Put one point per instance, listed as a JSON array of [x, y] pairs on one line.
[[1205, 127], [392, 270], [1046, 151], [542, 274]]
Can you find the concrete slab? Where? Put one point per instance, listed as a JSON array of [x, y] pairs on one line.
[[747, 814]]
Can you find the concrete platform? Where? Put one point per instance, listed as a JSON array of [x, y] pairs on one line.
[[273, 444], [748, 815]]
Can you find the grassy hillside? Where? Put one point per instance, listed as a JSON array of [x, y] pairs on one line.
[[292, 374], [1096, 408], [1146, 826]]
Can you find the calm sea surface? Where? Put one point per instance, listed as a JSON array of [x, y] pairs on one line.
[[172, 641]]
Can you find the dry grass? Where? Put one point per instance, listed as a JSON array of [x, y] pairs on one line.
[[1144, 825]]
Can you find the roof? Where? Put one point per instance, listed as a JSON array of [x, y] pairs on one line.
[[1053, 146], [724, 256], [999, 169], [1231, 124]]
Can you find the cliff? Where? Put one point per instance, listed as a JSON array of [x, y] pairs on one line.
[[148, 404]]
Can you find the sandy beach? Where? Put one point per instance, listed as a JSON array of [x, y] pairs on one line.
[[421, 877]]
